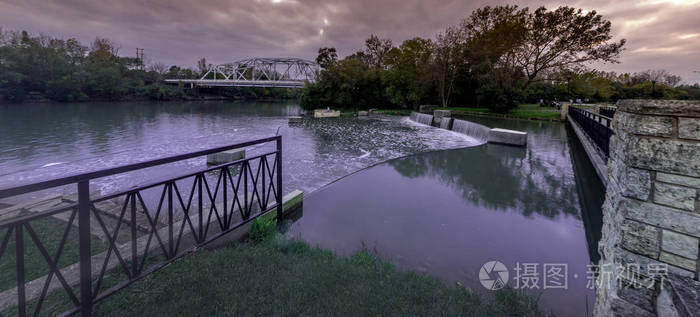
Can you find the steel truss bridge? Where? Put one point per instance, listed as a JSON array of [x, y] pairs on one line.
[[257, 72]]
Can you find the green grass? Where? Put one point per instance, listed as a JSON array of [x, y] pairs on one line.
[[393, 112], [281, 277], [523, 111], [49, 231], [278, 277]]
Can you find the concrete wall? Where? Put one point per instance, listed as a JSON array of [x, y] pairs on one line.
[[652, 211]]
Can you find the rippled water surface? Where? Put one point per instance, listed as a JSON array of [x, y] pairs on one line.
[[43, 141]]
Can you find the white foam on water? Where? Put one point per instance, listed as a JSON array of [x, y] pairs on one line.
[[53, 164]]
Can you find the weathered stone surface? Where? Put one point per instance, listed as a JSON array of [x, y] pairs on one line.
[[677, 261], [689, 128], [633, 182], [644, 125], [621, 308], [427, 108], [640, 238], [295, 119], [686, 295], [362, 113], [671, 156], [675, 196], [326, 113], [666, 217], [678, 179], [441, 113], [225, 157], [639, 296], [624, 257], [685, 108], [510, 137], [664, 304], [679, 244]]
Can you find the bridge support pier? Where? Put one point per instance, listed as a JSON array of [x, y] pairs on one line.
[[651, 216]]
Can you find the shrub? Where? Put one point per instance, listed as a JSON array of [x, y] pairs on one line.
[[262, 229]]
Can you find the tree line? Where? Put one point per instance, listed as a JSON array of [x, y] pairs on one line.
[[496, 58], [67, 70]]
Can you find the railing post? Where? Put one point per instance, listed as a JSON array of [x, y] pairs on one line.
[[85, 256], [279, 178], [19, 254]]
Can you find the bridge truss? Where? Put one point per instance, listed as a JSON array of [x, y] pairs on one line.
[[257, 72]]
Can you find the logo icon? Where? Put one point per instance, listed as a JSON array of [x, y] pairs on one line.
[[493, 275]]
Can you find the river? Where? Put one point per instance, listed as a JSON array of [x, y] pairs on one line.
[[432, 200]]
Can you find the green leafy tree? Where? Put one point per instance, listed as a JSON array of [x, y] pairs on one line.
[[408, 72], [327, 57]]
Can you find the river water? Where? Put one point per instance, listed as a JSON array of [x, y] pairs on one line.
[[445, 211], [448, 213], [44, 141]]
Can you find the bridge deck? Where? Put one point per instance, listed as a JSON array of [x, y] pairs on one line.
[[239, 83]]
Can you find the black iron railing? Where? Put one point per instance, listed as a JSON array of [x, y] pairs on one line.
[[142, 234], [608, 111], [596, 126]]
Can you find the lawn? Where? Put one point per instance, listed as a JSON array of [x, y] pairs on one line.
[[50, 232], [279, 277], [523, 111]]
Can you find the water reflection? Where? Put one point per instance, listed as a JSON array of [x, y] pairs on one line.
[[446, 213]]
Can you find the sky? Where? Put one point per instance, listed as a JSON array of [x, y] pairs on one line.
[[661, 34]]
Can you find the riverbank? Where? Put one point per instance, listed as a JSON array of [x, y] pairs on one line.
[[523, 111], [283, 277]]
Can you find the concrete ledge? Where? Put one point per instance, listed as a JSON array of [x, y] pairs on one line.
[[592, 151], [509, 137], [295, 119], [326, 113], [225, 157]]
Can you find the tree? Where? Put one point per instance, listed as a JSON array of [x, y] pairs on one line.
[[327, 56], [376, 50], [159, 68], [407, 75], [448, 58], [493, 37], [565, 38]]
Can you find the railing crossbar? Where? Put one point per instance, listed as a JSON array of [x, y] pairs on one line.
[[125, 238]]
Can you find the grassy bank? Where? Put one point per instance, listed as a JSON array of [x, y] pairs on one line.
[[523, 111], [50, 231], [280, 277]]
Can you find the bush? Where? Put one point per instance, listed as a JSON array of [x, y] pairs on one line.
[[262, 229], [499, 99]]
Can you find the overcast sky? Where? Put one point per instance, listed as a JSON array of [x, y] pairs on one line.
[[661, 34]]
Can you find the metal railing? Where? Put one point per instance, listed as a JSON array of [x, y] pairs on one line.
[[243, 190], [597, 127], [608, 111]]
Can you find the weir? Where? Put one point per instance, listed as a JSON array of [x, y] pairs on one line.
[[471, 129], [481, 133], [446, 123], [423, 118]]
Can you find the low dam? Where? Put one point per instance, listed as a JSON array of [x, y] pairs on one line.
[[422, 118], [480, 133], [472, 129]]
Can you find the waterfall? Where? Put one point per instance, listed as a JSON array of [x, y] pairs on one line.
[[445, 122], [471, 129], [423, 118]]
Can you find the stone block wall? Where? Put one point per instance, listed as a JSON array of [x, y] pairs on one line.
[[651, 215]]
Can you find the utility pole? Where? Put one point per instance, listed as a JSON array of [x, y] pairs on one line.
[[139, 58]]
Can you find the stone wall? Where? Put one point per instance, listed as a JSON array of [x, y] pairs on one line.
[[651, 214]]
